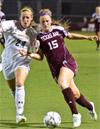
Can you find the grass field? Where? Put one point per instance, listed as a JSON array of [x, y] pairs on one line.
[[43, 95]]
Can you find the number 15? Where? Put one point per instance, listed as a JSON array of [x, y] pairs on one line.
[[53, 44]]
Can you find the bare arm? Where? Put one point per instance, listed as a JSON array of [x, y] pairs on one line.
[[38, 56], [80, 36]]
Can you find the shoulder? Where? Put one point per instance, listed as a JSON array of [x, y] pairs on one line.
[[60, 29], [2, 14], [94, 14], [7, 24], [57, 27]]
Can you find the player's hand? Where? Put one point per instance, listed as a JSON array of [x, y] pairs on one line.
[[23, 52], [93, 38]]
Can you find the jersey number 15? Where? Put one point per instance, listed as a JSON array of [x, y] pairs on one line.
[[53, 44]]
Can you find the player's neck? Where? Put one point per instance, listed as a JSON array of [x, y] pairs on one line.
[[47, 30], [19, 26]]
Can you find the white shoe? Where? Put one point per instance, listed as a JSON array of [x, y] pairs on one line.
[[20, 119], [0, 67], [76, 120], [93, 113]]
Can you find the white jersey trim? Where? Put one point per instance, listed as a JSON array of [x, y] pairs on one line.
[[65, 32]]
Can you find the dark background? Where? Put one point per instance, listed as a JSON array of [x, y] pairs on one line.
[[74, 10]]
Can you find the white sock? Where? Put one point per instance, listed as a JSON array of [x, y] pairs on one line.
[[19, 99]]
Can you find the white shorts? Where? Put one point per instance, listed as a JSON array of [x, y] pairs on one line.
[[10, 68], [9, 73]]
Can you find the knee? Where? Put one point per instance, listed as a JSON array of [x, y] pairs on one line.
[[62, 83], [19, 83]]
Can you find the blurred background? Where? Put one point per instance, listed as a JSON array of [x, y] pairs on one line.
[[77, 11]]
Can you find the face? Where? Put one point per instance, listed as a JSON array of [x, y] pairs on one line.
[[26, 19], [45, 22], [98, 10]]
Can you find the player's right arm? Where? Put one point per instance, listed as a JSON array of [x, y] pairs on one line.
[[6, 26], [38, 56]]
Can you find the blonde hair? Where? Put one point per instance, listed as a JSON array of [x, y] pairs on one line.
[[60, 22], [26, 8], [45, 12], [29, 9]]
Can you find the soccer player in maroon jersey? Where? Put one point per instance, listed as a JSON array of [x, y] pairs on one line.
[[96, 19], [62, 64]]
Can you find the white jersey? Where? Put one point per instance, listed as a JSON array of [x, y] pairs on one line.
[[14, 40]]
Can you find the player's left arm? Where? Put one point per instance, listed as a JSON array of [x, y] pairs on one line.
[[80, 36]]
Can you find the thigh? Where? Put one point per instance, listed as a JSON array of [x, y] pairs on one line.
[[8, 71], [65, 77], [21, 75]]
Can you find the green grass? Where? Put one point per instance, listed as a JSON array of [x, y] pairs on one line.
[[43, 95]]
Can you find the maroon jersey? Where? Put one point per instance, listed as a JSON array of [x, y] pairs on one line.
[[53, 47], [96, 18]]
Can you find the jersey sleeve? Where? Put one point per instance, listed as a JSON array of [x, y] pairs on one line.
[[65, 33], [7, 25], [62, 30], [31, 32]]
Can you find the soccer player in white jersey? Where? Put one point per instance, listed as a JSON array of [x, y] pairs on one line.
[[2, 18], [18, 34]]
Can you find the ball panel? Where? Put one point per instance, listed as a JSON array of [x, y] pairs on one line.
[[52, 119]]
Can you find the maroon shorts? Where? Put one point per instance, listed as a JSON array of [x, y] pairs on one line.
[[55, 68]]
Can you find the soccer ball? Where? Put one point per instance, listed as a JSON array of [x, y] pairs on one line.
[[52, 120]]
